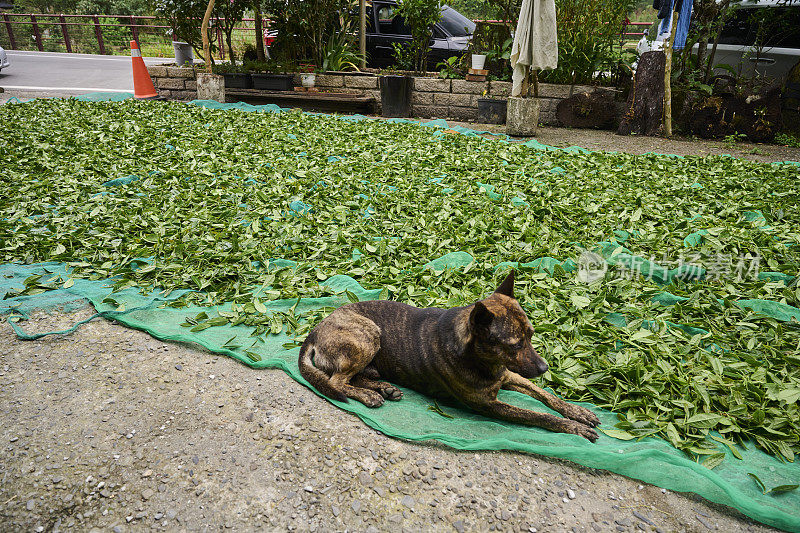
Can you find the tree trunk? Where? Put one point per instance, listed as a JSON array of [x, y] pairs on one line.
[[228, 40], [709, 67], [702, 46], [646, 99], [204, 35], [362, 32], [260, 55]]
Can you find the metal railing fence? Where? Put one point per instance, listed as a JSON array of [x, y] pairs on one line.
[[111, 34]]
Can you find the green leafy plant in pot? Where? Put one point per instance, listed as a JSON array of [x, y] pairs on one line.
[[270, 75], [236, 77]]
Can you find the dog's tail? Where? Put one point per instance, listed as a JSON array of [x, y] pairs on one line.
[[314, 375]]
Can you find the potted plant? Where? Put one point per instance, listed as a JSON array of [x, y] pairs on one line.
[[269, 76], [479, 45], [234, 76], [492, 109]]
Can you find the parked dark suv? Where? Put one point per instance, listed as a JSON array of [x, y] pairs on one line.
[[451, 35]]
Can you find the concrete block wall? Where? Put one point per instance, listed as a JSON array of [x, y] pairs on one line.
[[430, 97], [174, 83], [450, 99], [346, 83]]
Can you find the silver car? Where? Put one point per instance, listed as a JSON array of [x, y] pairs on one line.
[[3, 59], [780, 51]]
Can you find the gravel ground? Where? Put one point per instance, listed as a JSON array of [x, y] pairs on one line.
[[108, 428], [633, 144]]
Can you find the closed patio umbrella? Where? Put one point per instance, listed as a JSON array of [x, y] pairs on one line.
[[535, 42]]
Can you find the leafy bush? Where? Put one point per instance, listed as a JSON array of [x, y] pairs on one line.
[[403, 56], [589, 35], [420, 16], [494, 40], [339, 52], [305, 27], [451, 68], [788, 139]]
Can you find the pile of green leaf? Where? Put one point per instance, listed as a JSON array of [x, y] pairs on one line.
[[170, 196]]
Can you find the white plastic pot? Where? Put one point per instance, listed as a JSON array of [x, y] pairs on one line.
[[478, 61], [308, 79]]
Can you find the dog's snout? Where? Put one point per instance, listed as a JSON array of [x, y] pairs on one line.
[[541, 366]]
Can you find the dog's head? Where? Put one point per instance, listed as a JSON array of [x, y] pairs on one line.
[[501, 332]]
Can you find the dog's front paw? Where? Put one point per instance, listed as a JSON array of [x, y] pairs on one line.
[[576, 428], [581, 414], [390, 392]]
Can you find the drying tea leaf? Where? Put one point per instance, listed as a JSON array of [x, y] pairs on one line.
[[665, 337], [713, 461], [617, 434]]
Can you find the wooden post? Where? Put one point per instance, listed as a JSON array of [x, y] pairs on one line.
[[536, 84], [36, 33], [362, 32], [204, 35], [135, 30], [98, 32], [64, 33], [10, 29], [668, 73]]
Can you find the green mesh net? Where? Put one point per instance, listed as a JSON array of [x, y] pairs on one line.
[[651, 460]]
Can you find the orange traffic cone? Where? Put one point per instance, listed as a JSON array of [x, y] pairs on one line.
[[142, 84]]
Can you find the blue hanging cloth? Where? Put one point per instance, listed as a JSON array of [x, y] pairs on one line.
[[682, 31], [684, 9]]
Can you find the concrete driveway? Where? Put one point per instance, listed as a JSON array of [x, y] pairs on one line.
[[58, 74]]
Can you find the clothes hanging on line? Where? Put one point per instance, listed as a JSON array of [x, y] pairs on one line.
[[663, 7], [684, 9]]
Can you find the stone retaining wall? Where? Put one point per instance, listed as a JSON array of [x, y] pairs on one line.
[[430, 97], [174, 83]]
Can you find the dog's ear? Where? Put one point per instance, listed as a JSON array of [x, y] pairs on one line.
[[507, 287], [480, 318]]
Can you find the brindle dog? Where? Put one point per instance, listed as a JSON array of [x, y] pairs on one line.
[[467, 353]]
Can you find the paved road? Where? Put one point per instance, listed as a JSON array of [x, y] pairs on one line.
[[68, 74]]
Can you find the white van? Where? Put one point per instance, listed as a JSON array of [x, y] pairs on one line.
[[781, 49]]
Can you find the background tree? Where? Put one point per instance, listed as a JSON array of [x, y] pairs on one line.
[[43, 6], [229, 13], [113, 7], [260, 55], [420, 16], [185, 17]]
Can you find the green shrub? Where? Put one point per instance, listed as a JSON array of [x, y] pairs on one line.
[[420, 16]]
